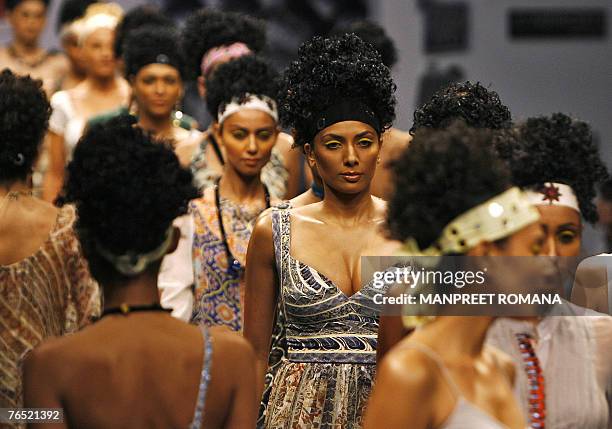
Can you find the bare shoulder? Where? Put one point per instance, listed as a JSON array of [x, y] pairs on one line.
[[233, 346], [410, 370], [501, 360], [262, 231]]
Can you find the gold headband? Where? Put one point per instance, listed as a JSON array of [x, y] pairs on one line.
[[492, 220]]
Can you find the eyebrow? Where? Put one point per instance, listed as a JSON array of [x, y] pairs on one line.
[[337, 137]]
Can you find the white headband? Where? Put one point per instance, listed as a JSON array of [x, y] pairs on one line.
[[255, 102], [553, 194], [95, 22]]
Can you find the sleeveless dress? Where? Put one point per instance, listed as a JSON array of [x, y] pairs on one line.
[[198, 416], [327, 376], [465, 415], [48, 294]]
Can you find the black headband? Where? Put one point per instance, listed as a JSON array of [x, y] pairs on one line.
[[345, 110], [171, 59]]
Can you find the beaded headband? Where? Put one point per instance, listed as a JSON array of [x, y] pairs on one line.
[[492, 220]]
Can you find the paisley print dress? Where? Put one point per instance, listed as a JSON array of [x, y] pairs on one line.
[[326, 378]]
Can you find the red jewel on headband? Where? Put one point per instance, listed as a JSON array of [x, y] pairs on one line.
[[550, 193]]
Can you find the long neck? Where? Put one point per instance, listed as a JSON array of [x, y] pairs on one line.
[[102, 84], [16, 186], [24, 48], [351, 208], [238, 187], [461, 335], [140, 290], [158, 125]]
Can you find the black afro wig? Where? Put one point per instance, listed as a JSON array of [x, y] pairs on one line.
[[329, 70], [237, 78], [443, 174], [210, 28], [24, 117], [558, 149], [12, 4], [72, 10], [471, 102], [138, 17], [375, 35], [127, 189], [149, 44]]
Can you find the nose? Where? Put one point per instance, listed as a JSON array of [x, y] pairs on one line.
[[252, 147], [550, 246], [351, 158], [160, 88]]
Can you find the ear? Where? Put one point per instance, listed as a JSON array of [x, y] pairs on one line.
[[217, 130], [310, 157], [202, 87]]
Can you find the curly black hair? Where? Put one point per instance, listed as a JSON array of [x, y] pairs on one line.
[[235, 79], [209, 28], [328, 70], [372, 33], [72, 10], [144, 46], [560, 149], [478, 106], [24, 118], [127, 189], [443, 174], [140, 16], [12, 4]]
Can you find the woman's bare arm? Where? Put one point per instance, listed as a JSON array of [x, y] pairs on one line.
[[54, 177], [261, 292]]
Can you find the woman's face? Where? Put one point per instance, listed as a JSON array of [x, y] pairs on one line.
[[248, 137], [156, 89], [563, 229], [28, 21], [98, 53], [345, 155]]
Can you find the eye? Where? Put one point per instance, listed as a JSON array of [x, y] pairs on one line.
[[239, 134], [264, 135], [148, 80], [365, 142], [566, 236], [171, 80], [333, 144], [536, 248]]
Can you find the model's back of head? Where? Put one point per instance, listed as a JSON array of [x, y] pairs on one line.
[[127, 189]]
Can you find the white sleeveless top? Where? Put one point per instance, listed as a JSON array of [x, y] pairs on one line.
[[65, 122], [465, 415]]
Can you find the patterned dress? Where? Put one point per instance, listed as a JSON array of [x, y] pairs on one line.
[[327, 376], [219, 289], [49, 293]]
